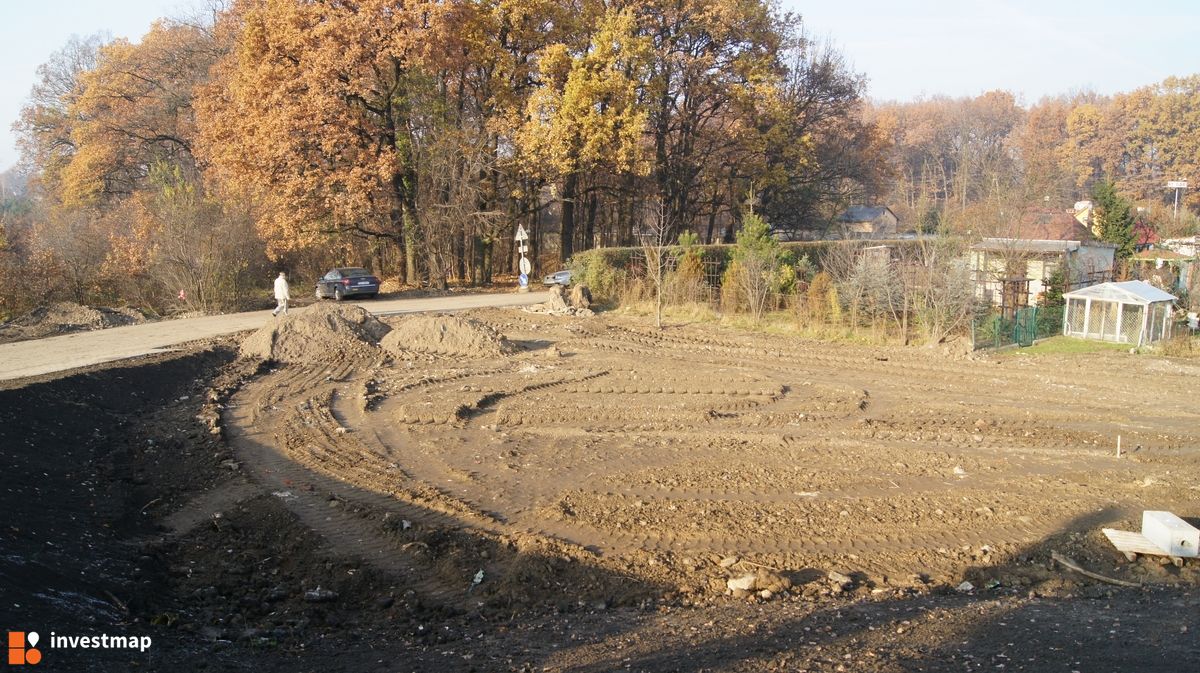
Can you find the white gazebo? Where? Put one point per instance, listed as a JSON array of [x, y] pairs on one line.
[[1132, 312]]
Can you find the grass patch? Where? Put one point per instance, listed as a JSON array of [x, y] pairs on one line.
[[1063, 345]]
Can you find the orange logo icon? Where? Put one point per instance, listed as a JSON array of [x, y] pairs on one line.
[[18, 653]]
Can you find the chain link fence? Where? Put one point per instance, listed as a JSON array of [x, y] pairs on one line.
[[993, 329]]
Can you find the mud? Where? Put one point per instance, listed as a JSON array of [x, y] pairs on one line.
[[607, 484]]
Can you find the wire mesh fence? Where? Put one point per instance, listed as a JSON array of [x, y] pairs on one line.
[[994, 329]]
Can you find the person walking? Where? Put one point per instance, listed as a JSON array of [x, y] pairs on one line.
[[282, 294]]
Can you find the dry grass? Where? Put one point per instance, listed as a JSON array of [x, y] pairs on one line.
[[1180, 346], [784, 322]]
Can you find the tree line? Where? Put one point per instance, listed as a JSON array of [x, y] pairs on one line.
[[416, 137], [975, 163], [181, 170]]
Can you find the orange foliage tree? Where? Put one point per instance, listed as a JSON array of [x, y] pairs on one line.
[[314, 114]]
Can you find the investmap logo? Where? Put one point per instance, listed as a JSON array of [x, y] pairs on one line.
[[22, 648]]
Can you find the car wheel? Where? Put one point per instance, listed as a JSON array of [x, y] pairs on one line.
[[337, 294]]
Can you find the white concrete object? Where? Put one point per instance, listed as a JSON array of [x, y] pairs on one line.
[[1174, 535]]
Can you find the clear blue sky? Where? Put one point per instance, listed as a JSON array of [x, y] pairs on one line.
[[31, 30], [1030, 47], [906, 49]]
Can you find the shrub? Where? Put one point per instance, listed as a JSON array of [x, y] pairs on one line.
[[603, 271], [817, 297], [757, 256]]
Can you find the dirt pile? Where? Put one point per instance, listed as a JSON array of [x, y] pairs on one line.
[[580, 301], [322, 332], [445, 335], [65, 317]]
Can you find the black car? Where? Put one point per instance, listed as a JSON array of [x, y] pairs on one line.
[[347, 282]]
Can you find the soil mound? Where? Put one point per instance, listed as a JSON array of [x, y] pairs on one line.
[[446, 335], [68, 316], [322, 332], [65, 317]]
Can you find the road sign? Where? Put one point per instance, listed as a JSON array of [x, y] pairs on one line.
[[521, 235], [526, 267], [523, 249], [1177, 185], [523, 280]]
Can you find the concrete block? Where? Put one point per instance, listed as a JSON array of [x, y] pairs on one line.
[[1174, 535]]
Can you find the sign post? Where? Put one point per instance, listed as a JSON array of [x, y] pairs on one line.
[[1177, 185], [525, 266]]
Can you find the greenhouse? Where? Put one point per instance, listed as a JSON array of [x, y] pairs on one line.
[[1132, 312]]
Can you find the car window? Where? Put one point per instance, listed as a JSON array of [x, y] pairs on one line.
[[333, 275], [355, 272]]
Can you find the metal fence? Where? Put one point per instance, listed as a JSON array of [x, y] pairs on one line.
[[994, 329]]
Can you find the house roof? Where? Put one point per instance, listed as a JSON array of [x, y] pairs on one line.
[[1022, 245], [1155, 255], [1128, 292], [1144, 234], [1051, 225], [864, 213]]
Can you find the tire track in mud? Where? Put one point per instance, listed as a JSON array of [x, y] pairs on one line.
[[611, 447], [355, 523]]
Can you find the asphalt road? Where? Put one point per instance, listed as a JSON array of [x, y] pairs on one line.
[[69, 351]]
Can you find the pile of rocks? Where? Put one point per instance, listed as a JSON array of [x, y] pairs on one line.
[[578, 303]]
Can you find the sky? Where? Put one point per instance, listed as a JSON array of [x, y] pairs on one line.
[[906, 50]]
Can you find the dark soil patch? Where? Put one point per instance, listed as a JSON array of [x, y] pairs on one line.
[[125, 514]]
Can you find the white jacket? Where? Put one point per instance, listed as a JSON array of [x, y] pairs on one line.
[[281, 288]]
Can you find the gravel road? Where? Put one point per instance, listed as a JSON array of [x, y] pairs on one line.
[[62, 353]]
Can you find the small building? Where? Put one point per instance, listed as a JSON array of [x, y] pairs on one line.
[[1015, 272], [1166, 269], [1132, 312], [868, 222]]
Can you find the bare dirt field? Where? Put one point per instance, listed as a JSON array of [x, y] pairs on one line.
[[509, 491], [666, 454]]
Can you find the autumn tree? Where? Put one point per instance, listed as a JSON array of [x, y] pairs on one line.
[[132, 109], [589, 113], [714, 62], [822, 152], [47, 121], [315, 112]]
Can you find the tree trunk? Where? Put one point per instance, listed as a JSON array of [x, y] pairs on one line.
[[486, 246], [458, 251], [409, 212], [567, 235], [589, 231]]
